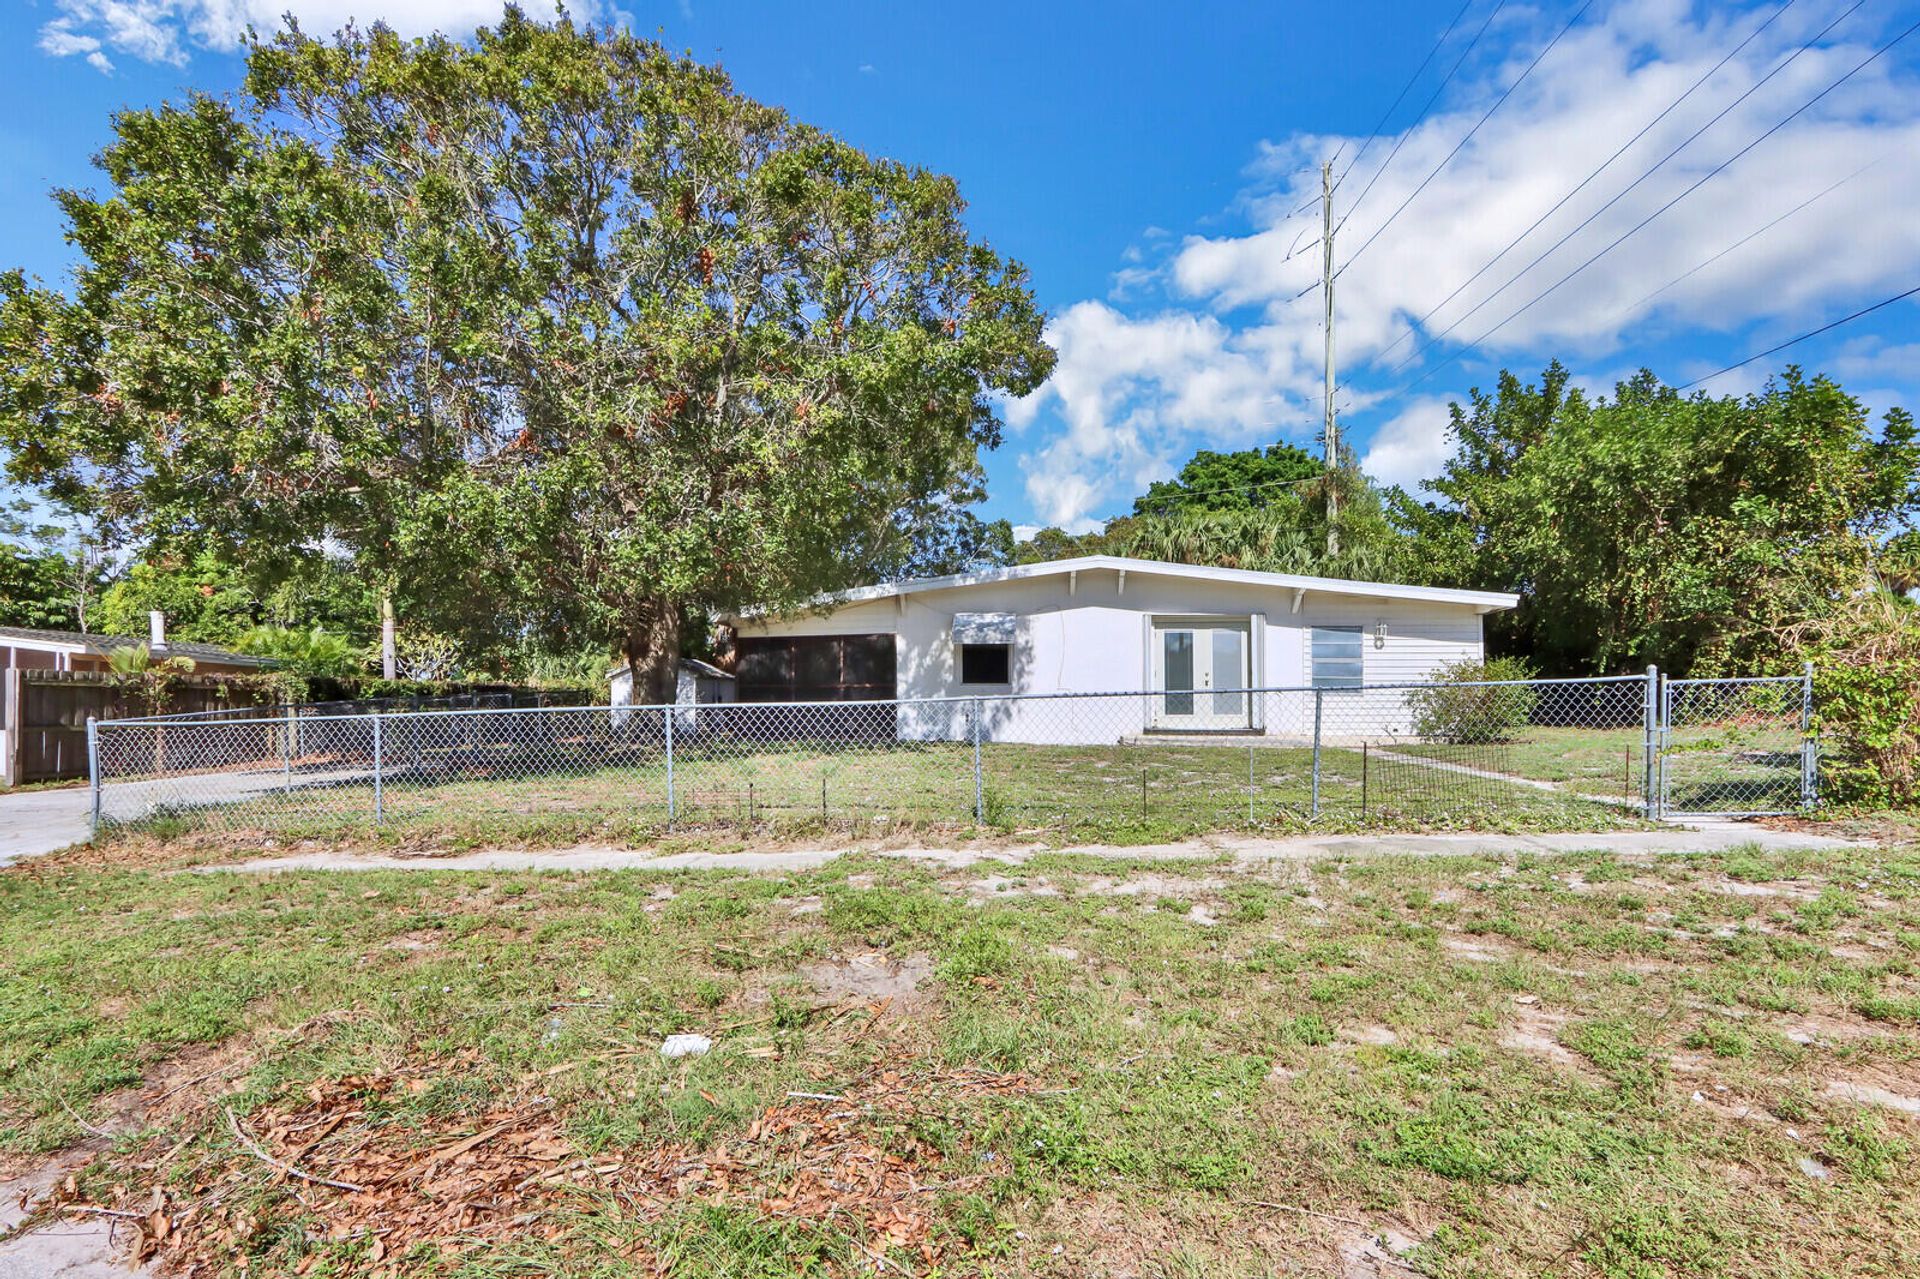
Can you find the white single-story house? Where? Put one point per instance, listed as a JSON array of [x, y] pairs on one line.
[[1182, 642]]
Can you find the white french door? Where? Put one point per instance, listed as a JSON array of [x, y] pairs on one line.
[[1200, 675]]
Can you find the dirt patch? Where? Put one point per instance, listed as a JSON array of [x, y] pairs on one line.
[[1813, 1029], [986, 889], [1476, 950], [1788, 889], [1181, 887], [1367, 1036], [873, 977], [1370, 1254], [1864, 1093], [1535, 1031]]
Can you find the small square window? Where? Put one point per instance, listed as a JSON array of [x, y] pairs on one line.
[[1338, 661], [986, 663]]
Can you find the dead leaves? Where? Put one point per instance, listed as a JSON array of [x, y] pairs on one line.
[[845, 1162]]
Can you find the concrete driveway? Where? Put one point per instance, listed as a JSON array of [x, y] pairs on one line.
[[41, 821]]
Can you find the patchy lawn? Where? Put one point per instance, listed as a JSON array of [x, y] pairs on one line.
[[1119, 793], [1571, 1066]]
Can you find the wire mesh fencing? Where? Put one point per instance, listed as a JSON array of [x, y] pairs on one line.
[[1546, 754], [1736, 746]]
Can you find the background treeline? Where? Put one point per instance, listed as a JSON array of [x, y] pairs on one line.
[[1704, 534]]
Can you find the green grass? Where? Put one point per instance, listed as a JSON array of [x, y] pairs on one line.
[[1119, 793], [1576, 1065]]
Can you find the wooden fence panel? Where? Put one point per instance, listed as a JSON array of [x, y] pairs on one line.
[[46, 730]]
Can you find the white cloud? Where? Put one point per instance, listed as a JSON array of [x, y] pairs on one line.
[[1251, 345], [162, 30], [1413, 446], [1131, 394]]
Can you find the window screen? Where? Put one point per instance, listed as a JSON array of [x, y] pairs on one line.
[[986, 664], [1337, 657]]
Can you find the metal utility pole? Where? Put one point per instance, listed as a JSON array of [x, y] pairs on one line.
[[1331, 429]]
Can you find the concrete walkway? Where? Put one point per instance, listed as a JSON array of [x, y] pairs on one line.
[[33, 822], [1706, 838]]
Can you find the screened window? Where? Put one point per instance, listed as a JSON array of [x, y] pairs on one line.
[[1337, 657], [986, 664]]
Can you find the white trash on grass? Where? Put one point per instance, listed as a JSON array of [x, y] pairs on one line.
[[685, 1046]]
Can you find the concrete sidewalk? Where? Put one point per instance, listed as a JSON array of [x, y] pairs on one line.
[[1705, 838]]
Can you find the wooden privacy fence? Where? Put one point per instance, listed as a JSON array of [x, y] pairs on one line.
[[45, 724]]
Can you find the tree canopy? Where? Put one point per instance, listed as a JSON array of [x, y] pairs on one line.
[[1246, 480], [553, 331], [1653, 526]]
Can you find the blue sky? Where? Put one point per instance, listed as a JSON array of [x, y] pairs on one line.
[[1143, 160]]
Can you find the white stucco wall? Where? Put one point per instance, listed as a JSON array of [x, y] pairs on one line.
[[1092, 637]]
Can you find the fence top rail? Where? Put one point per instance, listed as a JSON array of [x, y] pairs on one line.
[[189, 719], [1744, 679]]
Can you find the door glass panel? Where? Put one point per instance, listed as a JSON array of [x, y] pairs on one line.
[[1229, 673], [1177, 652]]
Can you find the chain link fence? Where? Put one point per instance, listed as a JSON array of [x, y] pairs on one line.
[[1563, 754]]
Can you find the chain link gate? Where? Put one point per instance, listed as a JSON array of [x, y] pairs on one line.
[[1736, 747]]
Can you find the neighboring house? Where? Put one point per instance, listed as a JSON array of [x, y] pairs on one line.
[[43, 717], [1195, 636], [23, 648]]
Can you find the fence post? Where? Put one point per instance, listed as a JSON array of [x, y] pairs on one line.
[[286, 750], [1650, 715], [1319, 696], [93, 775], [1809, 744], [979, 787], [671, 808], [379, 788]]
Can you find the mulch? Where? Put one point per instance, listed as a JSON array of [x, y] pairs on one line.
[[337, 1157]]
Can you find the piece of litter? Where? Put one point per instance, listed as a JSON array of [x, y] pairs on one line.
[[1814, 1168], [685, 1046]]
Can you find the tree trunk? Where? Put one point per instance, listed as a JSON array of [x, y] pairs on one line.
[[652, 649]]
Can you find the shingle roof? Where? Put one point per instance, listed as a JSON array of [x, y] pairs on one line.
[[104, 644]]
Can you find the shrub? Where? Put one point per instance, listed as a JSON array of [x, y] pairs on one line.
[[1866, 696], [1463, 706]]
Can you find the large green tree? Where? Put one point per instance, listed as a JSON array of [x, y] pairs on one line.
[[1651, 526], [553, 331], [1245, 480]]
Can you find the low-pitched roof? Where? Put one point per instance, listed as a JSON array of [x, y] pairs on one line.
[[1482, 601], [75, 641]]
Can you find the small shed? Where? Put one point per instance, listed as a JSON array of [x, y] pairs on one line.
[[697, 684]]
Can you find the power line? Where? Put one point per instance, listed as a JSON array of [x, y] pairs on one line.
[[1551, 249], [1695, 186], [1811, 333], [1497, 104], [1605, 165], [1381, 122], [1631, 307], [1410, 129]]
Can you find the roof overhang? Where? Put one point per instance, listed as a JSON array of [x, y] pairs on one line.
[[1299, 585], [46, 645]]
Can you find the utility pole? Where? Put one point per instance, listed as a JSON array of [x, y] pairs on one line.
[[389, 663], [1331, 430]]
